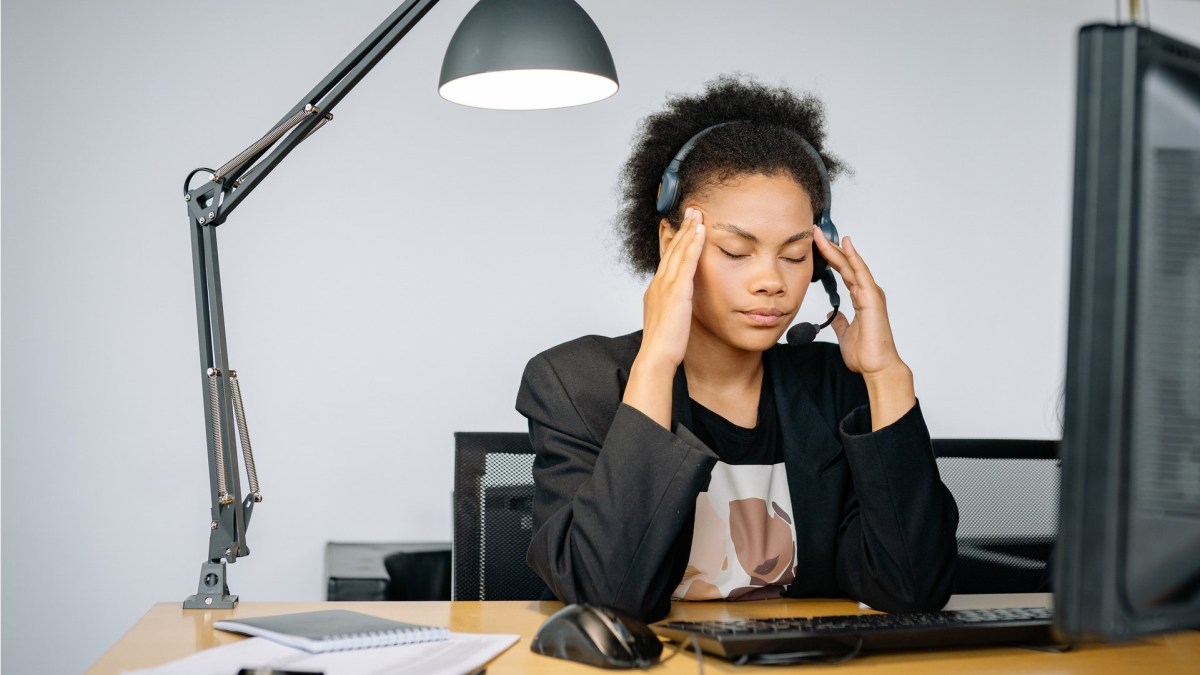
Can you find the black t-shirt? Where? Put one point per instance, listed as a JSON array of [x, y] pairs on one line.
[[738, 445], [744, 536]]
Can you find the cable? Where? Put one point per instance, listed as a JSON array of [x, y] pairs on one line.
[[699, 654], [188, 181], [695, 644], [678, 648]]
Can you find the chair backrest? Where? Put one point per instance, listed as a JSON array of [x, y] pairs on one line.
[[1006, 491], [1007, 495], [493, 517]]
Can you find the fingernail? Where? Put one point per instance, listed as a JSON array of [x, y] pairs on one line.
[[687, 213]]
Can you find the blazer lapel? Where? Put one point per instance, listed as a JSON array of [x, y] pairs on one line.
[[807, 438], [807, 441], [681, 402]]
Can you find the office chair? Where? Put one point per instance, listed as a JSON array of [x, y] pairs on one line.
[[493, 517], [1007, 495]]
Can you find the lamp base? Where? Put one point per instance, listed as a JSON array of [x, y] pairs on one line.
[[213, 592]]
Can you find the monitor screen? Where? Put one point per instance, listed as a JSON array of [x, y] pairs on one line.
[[1128, 558]]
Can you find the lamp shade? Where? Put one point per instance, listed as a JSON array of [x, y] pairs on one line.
[[527, 55]]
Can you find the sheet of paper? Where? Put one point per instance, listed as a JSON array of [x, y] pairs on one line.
[[461, 653]]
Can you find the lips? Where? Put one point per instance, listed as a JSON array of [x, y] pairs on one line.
[[765, 316]]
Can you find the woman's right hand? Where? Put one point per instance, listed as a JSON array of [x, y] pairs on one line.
[[667, 321], [667, 303]]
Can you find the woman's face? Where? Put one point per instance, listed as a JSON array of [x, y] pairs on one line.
[[756, 264]]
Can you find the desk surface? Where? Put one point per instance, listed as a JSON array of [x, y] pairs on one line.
[[168, 632]]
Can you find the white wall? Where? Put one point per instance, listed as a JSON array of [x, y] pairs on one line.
[[385, 286]]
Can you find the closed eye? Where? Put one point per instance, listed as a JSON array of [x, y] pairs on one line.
[[796, 260], [735, 256]]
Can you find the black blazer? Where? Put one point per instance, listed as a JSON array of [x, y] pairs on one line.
[[616, 492]]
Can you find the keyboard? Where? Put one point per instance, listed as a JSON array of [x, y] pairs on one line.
[[750, 640]]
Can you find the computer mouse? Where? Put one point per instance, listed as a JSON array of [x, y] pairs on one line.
[[598, 636]]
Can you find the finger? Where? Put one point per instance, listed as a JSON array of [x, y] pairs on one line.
[[683, 244], [691, 256], [847, 262], [862, 272], [831, 252], [839, 325], [837, 258], [695, 248], [673, 243]]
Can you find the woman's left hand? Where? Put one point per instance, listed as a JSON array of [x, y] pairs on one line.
[[866, 343]]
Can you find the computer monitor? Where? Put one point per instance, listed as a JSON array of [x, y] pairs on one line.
[[1128, 557]]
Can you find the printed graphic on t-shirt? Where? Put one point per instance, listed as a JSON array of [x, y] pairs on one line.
[[744, 543]]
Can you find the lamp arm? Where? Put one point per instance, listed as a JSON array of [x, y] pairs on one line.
[[216, 199], [208, 206]]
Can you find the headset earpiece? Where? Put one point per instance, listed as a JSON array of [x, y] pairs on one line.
[[668, 185], [668, 192]]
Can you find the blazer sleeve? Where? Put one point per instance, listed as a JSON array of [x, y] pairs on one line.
[[610, 505], [897, 547]]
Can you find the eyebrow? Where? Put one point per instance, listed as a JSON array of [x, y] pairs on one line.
[[751, 237]]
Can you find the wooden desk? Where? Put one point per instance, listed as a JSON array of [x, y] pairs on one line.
[[168, 632]]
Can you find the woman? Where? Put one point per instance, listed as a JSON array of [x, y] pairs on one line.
[[700, 459]]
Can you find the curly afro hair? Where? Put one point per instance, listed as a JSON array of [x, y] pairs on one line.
[[763, 141]]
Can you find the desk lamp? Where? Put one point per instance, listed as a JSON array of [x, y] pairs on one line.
[[506, 54]]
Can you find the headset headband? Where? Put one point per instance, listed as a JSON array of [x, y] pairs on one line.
[[668, 187]]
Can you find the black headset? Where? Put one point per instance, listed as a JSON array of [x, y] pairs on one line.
[[668, 199]]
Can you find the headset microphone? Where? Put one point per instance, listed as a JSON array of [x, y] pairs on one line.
[[804, 333]]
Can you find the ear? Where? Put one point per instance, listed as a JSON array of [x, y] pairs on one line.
[[666, 232]]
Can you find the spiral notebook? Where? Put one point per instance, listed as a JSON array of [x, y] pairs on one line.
[[333, 630]]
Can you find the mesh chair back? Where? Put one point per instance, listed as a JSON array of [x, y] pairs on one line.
[[1007, 495], [493, 517]]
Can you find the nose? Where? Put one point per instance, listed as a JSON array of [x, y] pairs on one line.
[[769, 280]]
